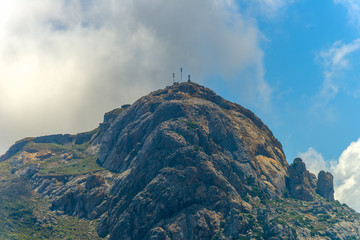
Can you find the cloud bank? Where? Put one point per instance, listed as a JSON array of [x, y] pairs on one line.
[[63, 63], [347, 175], [346, 171]]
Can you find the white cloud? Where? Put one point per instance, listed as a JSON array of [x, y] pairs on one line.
[[347, 176], [353, 9], [335, 56], [335, 61], [63, 63], [314, 161], [346, 172]]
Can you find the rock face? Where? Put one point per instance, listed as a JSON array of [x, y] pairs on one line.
[[81, 196], [301, 183], [188, 156], [304, 185], [181, 163], [325, 185], [14, 149]]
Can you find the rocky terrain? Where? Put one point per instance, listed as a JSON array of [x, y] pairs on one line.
[[179, 163]]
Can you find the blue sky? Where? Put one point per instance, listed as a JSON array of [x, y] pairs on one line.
[[295, 63], [295, 40], [294, 68]]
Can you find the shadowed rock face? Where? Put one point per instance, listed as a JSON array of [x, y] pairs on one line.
[[301, 183], [81, 195], [187, 157], [325, 186]]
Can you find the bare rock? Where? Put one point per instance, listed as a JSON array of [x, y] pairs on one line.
[[301, 183], [14, 149], [183, 149], [325, 185], [82, 195], [188, 165]]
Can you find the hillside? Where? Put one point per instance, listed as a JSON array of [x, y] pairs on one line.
[[179, 163]]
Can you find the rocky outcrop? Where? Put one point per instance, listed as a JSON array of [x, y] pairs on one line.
[[182, 163], [60, 139], [189, 116], [301, 183], [184, 152], [14, 149], [97, 138], [74, 195], [304, 185], [57, 138], [325, 185]]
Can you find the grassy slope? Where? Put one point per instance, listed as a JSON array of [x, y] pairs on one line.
[[22, 212], [80, 163], [25, 215]]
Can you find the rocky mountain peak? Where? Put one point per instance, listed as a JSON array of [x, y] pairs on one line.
[[181, 163], [191, 90], [185, 153], [301, 182]]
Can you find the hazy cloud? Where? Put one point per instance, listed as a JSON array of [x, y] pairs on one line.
[[335, 61], [346, 171], [63, 63], [353, 8], [268, 8], [314, 161]]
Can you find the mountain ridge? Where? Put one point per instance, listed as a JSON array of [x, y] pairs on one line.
[[181, 163]]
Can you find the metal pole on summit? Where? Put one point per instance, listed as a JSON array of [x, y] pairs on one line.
[[181, 75], [173, 78]]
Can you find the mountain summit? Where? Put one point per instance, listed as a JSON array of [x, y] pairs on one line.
[[187, 153], [181, 163]]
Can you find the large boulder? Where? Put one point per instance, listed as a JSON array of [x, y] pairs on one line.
[[325, 185], [301, 183]]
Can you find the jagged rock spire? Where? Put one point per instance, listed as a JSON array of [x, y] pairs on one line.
[[325, 186]]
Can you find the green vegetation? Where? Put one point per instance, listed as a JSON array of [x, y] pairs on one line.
[[57, 148], [217, 235], [190, 125], [324, 217], [294, 233], [256, 191], [5, 171], [23, 215], [196, 147], [293, 213], [79, 162], [280, 221], [315, 230], [76, 167], [250, 180], [243, 238]]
